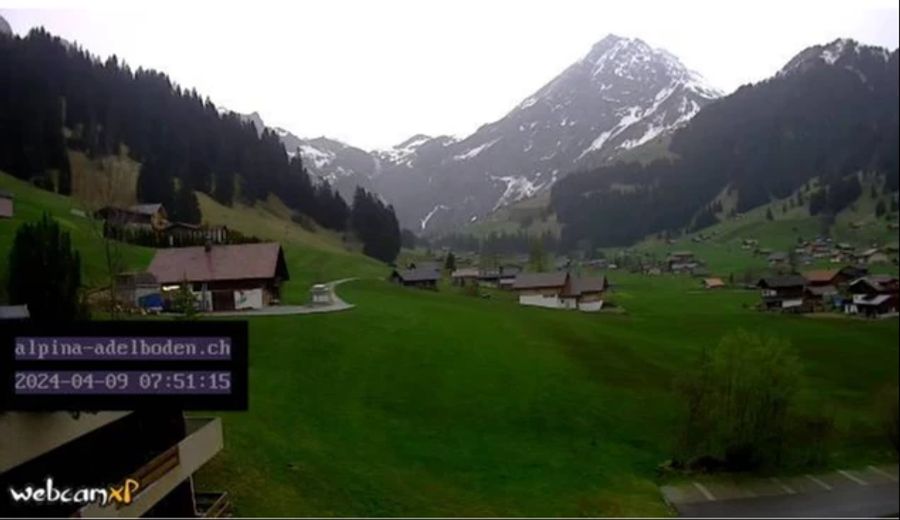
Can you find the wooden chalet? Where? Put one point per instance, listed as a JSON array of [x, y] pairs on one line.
[[420, 278], [146, 216], [873, 296], [784, 293], [465, 277], [560, 290], [223, 277]]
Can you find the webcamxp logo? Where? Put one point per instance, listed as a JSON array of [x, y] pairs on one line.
[[121, 495]]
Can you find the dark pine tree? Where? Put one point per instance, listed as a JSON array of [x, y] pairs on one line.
[[45, 272]]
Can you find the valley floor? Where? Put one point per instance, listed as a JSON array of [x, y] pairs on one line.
[[422, 403]]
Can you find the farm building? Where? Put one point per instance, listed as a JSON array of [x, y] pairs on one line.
[[147, 216], [682, 262], [778, 259], [825, 277], [821, 292], [420, 278], [822, 297], [713, 283], [560, 290], [585, 293], [7, 210], [489, 277], [542, 289], [223, 277], [782, 292], [872, 256], [874, 295], [508, 274], [465, 277], [503, 276]]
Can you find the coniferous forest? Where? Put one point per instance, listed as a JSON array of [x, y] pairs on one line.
[[55, 96]]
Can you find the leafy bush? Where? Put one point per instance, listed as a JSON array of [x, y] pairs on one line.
[[739, 401]]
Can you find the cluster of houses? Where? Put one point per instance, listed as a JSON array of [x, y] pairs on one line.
[[554, 290], [153, 219], [823, 249], [680, 262], [849, 290]]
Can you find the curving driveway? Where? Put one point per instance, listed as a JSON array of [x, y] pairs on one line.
[[287, 310]]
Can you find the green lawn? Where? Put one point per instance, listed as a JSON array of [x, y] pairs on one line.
[[436, 403], [420, 403]]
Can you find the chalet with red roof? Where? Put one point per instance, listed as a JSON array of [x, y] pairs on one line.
[[223, 277]]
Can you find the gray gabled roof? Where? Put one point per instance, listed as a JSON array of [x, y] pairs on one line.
[[781, 282], [540, 280], [257, 261], [878, 282], [417, 275], [587, 284]]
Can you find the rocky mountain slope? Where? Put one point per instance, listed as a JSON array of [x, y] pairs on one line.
[[828, 115], [622, 94]]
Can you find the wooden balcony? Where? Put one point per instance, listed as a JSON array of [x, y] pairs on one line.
[[159, 476]]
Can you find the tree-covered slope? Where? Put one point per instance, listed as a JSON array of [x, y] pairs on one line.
[[832, 112]]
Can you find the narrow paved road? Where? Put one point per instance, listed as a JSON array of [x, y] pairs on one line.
[[336, 305], [857, 501], [862, 492]]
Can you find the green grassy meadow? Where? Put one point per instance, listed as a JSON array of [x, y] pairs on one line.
[[419, 403]]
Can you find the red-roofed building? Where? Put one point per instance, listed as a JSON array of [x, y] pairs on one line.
[[224, 277]]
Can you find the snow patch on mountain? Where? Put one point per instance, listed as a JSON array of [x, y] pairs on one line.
[[517, 188], [423, 224], [318, 157], [472, 152]]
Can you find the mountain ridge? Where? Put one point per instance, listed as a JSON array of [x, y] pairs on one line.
[[620, 95]]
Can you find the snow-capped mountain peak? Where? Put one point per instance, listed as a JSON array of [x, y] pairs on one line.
[[621, 94]]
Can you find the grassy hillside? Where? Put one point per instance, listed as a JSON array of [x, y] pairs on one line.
[[720, 247], [419, 403], [532, 215], [311, 256], [32, 202]]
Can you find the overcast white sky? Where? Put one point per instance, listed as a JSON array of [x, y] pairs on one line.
[[374, 72]]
